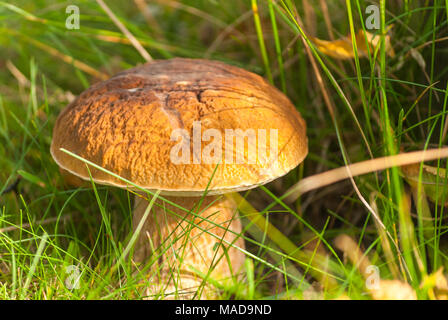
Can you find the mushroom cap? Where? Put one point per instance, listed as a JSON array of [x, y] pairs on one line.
[[126, 125]]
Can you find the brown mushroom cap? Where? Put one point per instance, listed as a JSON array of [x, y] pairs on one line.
[[124, 125]]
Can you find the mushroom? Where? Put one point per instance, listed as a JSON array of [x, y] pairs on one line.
[[194, 129]]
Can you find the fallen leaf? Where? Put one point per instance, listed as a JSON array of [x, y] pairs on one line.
[[343, 48], [393, 290]]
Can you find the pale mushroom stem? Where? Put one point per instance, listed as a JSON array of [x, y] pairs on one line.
[[199, 239]]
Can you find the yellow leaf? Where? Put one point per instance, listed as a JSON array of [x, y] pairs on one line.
[[436, 284], [343, 48]]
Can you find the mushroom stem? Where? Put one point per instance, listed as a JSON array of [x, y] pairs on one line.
[[183, 241]]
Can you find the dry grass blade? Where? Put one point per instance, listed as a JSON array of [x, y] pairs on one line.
[[227, 31], [67, 59], [326, 178], [40, 223], [23, 81], [125, 31]]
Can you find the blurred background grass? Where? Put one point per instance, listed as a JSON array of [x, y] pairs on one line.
[[397, 102]]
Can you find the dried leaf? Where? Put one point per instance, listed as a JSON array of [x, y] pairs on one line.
[[394, 290], [343, 48]]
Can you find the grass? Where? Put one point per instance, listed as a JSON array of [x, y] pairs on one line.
[[370, 105]]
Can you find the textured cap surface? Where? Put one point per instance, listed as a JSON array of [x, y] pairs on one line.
[[134, 123]]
